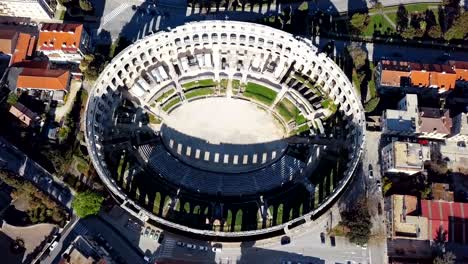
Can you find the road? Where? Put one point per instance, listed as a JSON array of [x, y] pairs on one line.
[[13, 159], [378, 243]]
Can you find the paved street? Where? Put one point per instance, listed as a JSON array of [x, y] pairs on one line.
[[14, 160]]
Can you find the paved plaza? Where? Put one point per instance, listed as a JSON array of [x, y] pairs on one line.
[[226, 120]]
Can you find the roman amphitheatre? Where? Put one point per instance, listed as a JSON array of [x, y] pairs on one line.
[[224, 129]]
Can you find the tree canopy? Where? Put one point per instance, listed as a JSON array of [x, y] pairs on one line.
[[358, 220], [87, 203]]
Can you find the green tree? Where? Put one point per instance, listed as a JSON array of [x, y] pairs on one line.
[[446, 258], [402, 19], [86, 5], [459, 29], [358, 55], [358, 220], [435, 32], [360, 21], [87, 203]]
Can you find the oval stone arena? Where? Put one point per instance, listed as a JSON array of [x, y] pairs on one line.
[[224, 129]]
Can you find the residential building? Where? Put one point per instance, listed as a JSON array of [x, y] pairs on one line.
[[459, 128], [404, 157], [36, 10], [24, 114], [63, 42], [441, 191], [404, 120], [53, 83], [449, 218], [17, 45], [410, 77], [405, 220], [434, 123], [85, 251]]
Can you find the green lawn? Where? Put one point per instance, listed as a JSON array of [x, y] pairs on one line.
[[198, 92], [198, 84], [260, 93], [164, 95], [378, 23], [171, 103], [287, 110]]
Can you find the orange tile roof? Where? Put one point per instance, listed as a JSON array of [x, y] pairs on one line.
[[43, 79], [22, 47], [420, 78], [443, 80], [393, 78], [54, 36]]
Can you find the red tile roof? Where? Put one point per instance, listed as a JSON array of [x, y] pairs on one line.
[[54, 36], [33, 78], [452, 216]]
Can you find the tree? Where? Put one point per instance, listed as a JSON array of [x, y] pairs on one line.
[[435, 32], [360, 21], [87, 203], [459, 29], [402, 19], [86, 5], [358, 220], [446, 258], [358, 55]]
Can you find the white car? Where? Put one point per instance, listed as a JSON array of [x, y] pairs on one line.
[[53, 246], [216, 249]]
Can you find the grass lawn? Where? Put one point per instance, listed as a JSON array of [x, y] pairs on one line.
[[198, 92], [171, 103], [329, 104], [260, 93], [164, 95], [198, 84], [378, 23], [287, 110]]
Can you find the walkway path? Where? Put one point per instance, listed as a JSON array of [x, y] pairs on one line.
[[63, 110]]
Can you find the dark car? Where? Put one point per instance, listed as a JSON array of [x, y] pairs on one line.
[[332, 241], [322, 238], [285, 240]]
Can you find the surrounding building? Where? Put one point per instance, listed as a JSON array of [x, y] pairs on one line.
[[24, 114], [17, 45], [405, 221], [446, 220], [404, 157], [434, 123], [85, 251], [404, 120], [63, 42], [459, 127], [410, 77], [54, 83], [441, 191], [36, 10]]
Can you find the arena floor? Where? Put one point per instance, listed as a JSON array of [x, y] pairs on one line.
[[225, 120]]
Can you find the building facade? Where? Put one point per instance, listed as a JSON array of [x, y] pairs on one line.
[[63, 42], [36, 10]]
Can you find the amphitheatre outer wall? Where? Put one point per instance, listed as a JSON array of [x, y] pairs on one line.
[[125, 69]]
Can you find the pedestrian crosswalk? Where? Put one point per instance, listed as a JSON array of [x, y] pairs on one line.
[[167, 247], [107, 18], [80, 229]]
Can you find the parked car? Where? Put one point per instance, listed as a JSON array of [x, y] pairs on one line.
[[322, 238], [53, 246], [285, 240], [203, 248], [181, 244], [216, 249]]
